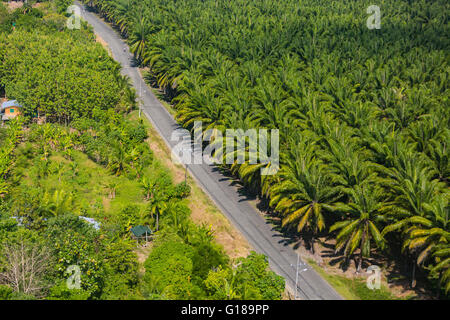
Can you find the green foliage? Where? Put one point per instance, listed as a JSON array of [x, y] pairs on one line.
[[62, 5], [74, 244], [182, 190], [121, 269], [248, 279], [62, 292], [170, 262], [6, 293], [354, 107], [45, 181], [55, 21], [5, 20], [65, 66], [359, 229], [254, 271]]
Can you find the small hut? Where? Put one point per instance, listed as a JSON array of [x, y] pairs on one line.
[[141, 232], [10, 109]]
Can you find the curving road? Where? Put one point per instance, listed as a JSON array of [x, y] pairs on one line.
[[236, 207]]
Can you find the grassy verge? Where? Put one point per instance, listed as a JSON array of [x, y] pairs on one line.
[[354, 289]]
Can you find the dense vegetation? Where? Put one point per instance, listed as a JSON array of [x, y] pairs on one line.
[[79, 150], [363, 114]]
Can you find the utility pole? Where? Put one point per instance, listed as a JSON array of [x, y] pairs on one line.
[[296, 273], [296, 276], [140, 96]]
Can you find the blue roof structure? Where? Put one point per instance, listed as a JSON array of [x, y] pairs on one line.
[[91, 221], [9, 104]]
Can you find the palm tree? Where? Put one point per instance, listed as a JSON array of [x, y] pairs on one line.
[[360, 229], [120, 14], [412, 188], [158, 204], [431, 231], [138, 37], [73, 167], [43, 168], [409, 180], [57, 204], [348, 162], [112, 189], [133, 157], [442, 266], [127, 93], [174, 210], [26, 8], [147, 187], [203, 106], [58, 170], [425, 231], [438, 153], [304, 190], [66, 144], [118, 161]]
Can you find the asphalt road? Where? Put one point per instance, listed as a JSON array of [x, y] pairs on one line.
[[235, 206]]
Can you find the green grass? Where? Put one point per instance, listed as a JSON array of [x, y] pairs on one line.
[[353, 289], [89, 185]]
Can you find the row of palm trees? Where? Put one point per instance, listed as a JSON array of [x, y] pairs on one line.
[[363, 114]]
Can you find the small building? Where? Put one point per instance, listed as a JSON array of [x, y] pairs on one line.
[[10, 109], [141, 232]]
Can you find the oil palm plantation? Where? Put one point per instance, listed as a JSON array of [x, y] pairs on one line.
[[374, 114]]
